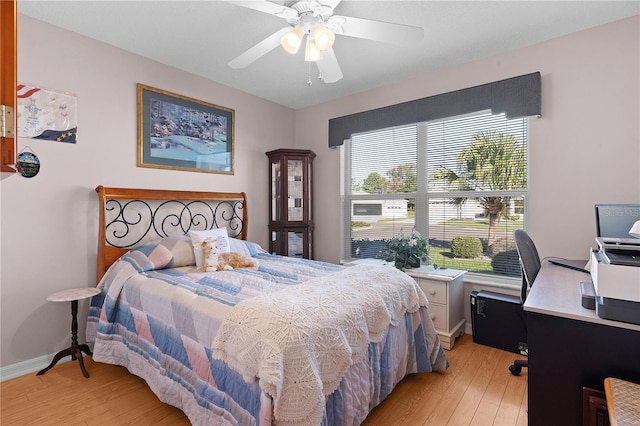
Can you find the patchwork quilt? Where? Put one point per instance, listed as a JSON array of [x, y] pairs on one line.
[[172, 325]]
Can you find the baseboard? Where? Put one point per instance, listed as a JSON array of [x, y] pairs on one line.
[[468, 329], [27, 367]]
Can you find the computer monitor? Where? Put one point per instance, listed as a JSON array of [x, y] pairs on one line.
[[615, 220]]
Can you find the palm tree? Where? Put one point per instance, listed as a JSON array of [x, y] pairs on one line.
[[493, 162], [402, 179]]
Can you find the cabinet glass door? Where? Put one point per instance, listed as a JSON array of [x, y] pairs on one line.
[[275, 190], [295, 191], [295, 244]]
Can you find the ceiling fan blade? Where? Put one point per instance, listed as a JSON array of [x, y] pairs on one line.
[[259, 50], [329, 67], [386, 32], [331, 3], [266, 7]]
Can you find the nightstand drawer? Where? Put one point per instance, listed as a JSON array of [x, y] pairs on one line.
[[438, 315], [436, 291]]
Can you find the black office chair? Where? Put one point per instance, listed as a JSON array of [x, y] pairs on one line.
[[530, 266]]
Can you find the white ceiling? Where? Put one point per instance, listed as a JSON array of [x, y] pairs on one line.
[[201, 37]]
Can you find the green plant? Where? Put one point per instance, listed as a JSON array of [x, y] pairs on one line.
[[466, 247], [407, 251]]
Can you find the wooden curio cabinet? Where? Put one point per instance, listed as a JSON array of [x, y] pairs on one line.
[[291, 203]]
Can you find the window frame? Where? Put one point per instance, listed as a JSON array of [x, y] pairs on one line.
[[422, 194]]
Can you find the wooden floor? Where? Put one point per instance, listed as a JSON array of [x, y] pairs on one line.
[[476, 390]]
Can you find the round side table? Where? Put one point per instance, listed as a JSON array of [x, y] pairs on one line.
[[72, 295]]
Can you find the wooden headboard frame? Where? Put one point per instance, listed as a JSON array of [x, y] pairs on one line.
[[223, 209]]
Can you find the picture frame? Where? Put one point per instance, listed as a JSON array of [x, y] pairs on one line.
[[180, 133], [46, 114]]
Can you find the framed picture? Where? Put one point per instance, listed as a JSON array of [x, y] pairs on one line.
[[46, 114], [180, 133]]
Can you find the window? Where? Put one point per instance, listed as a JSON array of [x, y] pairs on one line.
[[461, 182]]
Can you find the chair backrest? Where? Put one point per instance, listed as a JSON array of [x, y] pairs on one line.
[[529, 260]]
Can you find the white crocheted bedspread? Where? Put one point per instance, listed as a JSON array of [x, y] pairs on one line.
[[300, 341]]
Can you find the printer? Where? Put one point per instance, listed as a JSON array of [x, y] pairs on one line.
[[615, 272], [615, 264]]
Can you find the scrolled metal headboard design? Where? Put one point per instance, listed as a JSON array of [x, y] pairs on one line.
[[132, 217], [136, 221]]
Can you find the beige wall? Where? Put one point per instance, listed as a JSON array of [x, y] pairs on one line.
[[589, 129], [49, 229]]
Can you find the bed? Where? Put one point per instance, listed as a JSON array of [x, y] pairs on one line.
[[286, 341]]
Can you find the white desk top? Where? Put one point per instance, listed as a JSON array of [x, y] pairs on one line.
[[556, 291]]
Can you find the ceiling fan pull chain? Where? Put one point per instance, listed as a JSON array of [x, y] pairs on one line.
[[309, 82]]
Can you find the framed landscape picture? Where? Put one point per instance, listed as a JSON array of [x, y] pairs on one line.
[[181, 133]]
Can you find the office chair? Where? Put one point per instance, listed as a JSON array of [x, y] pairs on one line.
[[530, 266]]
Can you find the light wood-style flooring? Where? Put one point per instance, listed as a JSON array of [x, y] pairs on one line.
[[476, 390]]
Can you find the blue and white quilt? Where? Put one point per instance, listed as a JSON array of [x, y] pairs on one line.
[[159, 317]]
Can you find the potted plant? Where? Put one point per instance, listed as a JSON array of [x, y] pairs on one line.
[[408, 251]]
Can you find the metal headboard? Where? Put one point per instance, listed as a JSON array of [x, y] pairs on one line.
[[132, 217]]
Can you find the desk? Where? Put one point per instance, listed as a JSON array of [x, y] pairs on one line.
[[570, 347]]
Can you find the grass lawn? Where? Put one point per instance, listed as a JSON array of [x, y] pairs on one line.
[[509, 225], [442, 257]]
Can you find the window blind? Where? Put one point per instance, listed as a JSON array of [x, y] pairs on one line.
[[458, 181]]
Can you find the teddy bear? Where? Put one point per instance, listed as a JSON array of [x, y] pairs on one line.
[[214, 260]]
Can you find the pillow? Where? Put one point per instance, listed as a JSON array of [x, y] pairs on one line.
[[245, 248], [149, 257], [181, 250], [167, 252], [220, 237]]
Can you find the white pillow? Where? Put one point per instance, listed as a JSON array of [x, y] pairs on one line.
[[220, 237]]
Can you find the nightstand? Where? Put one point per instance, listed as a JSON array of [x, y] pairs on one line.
[[72, 295], [444, 289]]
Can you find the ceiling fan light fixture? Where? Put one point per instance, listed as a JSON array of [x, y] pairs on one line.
[[292, 40], [323, 37], [311, 52]]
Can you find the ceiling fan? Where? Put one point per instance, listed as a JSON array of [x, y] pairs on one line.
[[314, 21]]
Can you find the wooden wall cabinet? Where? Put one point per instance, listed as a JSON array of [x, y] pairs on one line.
[[8, 83], [291, 202]]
